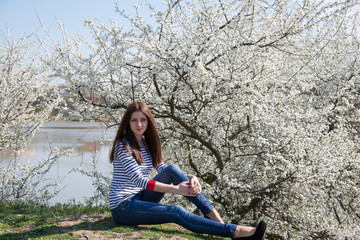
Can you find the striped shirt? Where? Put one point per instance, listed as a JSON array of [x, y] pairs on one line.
[[129, 177]]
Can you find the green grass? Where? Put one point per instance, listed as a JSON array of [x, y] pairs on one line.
[[36, 221], [67, 221]]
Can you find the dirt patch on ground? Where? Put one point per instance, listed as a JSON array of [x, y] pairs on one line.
[[101, 234], [74, 220], [104, 235], [84, 227]]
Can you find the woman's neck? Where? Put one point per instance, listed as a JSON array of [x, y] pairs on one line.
[[140, 141]]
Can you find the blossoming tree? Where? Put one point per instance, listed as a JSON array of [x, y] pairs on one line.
[[260, 99], [27, 99]]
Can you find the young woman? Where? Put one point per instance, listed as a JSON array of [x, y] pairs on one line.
[[134, 198]]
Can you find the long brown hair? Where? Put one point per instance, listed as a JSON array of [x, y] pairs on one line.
[[127, 137]]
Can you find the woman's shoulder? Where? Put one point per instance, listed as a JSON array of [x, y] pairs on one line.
[[122, 144]]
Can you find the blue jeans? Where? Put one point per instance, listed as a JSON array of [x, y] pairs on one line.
[[144, 208]]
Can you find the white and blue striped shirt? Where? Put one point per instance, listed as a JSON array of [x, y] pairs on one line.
[[129, 177]]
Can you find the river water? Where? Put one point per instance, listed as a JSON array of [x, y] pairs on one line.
[[85, 138]]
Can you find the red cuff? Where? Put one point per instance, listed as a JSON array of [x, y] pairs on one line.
[[151, 185]]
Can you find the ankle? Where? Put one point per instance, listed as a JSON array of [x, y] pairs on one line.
[[215, 216]]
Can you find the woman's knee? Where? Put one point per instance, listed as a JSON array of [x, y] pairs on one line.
[[175, 173], [172, 168]]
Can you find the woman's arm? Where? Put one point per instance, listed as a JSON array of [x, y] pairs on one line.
[[127, 164], [182, 189]]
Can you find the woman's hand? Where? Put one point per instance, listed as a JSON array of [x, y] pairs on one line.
[[184, 189], [195, 185]]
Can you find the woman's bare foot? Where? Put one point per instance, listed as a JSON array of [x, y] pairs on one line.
[[257, 233], [244, 231]]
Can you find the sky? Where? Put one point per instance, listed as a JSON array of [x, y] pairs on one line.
[[20, 17]]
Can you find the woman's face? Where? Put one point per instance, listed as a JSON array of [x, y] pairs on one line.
[[138, 123]]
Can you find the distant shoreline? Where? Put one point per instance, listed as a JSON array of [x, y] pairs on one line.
[[78, 124]]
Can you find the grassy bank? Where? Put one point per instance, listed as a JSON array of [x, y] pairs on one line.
[[72, 221]]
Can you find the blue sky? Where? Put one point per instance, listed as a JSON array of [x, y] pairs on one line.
[[20, 17]]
